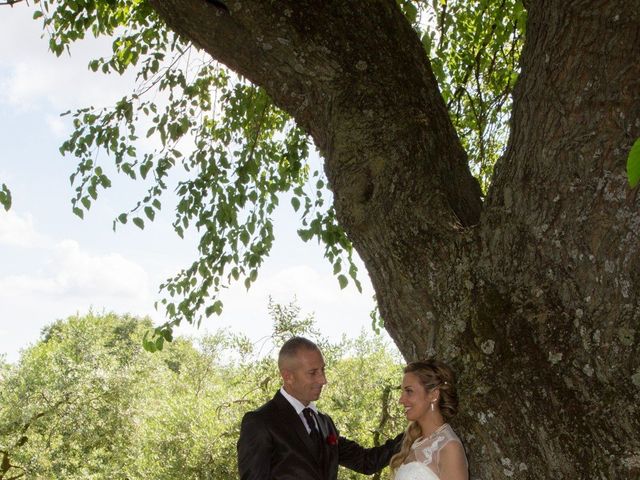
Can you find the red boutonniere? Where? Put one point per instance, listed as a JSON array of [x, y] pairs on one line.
[[332, 439]]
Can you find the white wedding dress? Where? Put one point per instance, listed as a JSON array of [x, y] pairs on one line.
[[423, 461]]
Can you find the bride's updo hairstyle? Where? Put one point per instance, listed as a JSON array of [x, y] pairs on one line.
[[431, 374]]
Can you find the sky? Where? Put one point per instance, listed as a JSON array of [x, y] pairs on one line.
[[53, 264]]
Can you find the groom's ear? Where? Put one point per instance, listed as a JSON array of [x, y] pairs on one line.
[[287, 367], [286, 375]]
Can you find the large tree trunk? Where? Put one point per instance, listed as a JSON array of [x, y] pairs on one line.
[[533, 296]]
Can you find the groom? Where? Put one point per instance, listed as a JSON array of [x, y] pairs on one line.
[[289, 439]]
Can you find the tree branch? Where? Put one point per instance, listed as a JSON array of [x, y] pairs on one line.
[[320, 63]]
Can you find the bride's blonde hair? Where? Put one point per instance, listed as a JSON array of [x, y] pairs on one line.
[[431, 374]]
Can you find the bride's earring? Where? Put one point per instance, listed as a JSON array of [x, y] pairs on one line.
[[432, 407]]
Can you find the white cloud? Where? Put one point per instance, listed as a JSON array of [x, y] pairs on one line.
[[18, 230], [57, 126], [62, 82], [64, 275], [62, 280], [23, 85], [23, 285], [80, 273], [74, 273], [19, 33]]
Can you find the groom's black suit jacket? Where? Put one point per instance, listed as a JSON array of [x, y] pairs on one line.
[[274, 445]]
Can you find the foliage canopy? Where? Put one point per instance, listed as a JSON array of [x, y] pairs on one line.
[[235, 153]]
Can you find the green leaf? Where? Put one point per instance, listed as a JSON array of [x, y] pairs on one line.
[[377, 323], [167, 334], [215, 308], [342, 280], [295, 201], [305, 235], [633, 164], [148, 345], [410, 10], [5, 197], [144, 168], [337, 266], [138, 222], [148, 211], [235, 273]]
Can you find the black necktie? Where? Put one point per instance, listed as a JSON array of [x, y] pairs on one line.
[[315, 435]]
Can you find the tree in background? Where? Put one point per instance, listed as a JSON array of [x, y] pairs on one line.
[[67, 409], [88, 402], [524, 278]]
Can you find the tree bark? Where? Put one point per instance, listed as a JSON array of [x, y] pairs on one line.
[[531, 296]]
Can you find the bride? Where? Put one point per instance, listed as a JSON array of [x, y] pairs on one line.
[[430, 450]]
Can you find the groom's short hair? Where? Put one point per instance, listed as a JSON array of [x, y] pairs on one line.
[[291, 347]]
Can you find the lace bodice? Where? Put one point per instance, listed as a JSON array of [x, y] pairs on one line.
[[415, 471], [423, 461]]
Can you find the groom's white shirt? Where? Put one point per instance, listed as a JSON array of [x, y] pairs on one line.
[[298, 406]]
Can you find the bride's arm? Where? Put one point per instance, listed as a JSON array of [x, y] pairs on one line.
[[453, 462]]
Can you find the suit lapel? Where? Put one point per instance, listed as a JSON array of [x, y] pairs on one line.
[[325, 428], [290, 417], [329, 452]]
